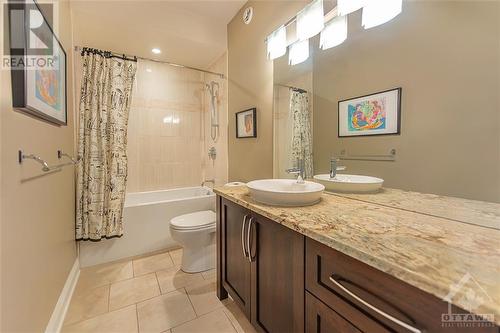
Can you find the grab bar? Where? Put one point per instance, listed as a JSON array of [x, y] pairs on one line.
[[389, 157], [45, 165]]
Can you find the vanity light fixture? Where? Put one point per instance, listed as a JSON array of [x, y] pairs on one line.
[[380, 12], [334, 33], [310, 20], [156, 51], [345, 7], [276, 43], [298, 52]]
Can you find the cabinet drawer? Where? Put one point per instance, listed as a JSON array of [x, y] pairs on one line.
[[321, 319], [366, 289]]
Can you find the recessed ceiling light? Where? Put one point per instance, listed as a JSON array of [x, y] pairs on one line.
[[156, 51]]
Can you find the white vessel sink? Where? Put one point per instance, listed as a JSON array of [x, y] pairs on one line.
[[285, 192], [350, 183]]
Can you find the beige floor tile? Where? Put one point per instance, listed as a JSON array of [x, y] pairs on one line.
[[176, 256], [96, 276], [210, 274], [120, 321], [87, 304], [134, 290], [164, 312], [152, 263], [173, 278], [203, 297], [237, 318], [213, 322]]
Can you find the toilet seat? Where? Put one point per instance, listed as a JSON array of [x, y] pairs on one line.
[[194, 221]]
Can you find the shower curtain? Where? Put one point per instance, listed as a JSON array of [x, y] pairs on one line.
[[301, 130], [102, 141]]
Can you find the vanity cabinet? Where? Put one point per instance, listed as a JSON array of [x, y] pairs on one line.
[[262, 268], [371, 300], [321, 319], [235, 264], [286, 282]]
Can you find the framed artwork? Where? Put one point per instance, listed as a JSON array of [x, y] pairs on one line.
[[39, 81], [374, 114], [246, 123]]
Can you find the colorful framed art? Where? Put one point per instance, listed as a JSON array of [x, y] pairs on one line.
[[374, 114], [38, 64]]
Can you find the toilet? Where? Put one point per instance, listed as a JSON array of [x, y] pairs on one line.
[[195, 232]]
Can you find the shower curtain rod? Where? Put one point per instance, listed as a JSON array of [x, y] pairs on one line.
[[79, 48], [291, 87]]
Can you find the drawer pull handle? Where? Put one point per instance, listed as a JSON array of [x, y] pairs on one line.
[[377, 310], [243, 235], [248, 239]]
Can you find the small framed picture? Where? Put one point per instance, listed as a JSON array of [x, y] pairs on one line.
[[246, 123], [374, 114]]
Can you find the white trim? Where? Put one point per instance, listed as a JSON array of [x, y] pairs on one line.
[[59, 313]]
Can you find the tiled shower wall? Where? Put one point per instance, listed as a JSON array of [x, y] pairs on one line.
[[166, 131]]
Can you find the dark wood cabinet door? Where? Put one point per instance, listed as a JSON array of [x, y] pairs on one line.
[[235, 272], [321, 319], [277, 282]]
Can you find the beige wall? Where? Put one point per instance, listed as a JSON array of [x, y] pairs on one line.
[[446, 57], [251, 85], [37, 211]]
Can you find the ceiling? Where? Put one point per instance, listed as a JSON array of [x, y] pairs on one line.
[[191, 33]]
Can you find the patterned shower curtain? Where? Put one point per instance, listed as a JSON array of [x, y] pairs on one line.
[[301, 130], [102, 141]]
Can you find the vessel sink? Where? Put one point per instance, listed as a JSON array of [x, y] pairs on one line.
[[285, 192], [350, 183]]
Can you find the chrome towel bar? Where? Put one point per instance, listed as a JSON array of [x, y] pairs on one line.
[[45, 166], [389, 157]]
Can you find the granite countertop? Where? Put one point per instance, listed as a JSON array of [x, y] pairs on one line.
[[430, 250]]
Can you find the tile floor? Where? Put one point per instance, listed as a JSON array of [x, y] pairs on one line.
[[150, 294]]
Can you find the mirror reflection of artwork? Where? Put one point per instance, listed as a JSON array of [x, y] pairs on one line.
[[367, 115], [246, 124], [375, 114]]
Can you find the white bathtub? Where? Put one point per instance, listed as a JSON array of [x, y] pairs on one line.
[[146, 219]]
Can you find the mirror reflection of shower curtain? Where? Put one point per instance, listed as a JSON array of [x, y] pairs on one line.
[[301, 146]]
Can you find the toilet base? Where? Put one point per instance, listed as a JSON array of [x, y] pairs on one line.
[[198, 259]]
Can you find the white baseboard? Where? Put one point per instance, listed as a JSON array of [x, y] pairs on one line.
[[57, 319]]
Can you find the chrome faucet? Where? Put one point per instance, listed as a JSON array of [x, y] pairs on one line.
[[299, 171], [334, 167], [208, 181]]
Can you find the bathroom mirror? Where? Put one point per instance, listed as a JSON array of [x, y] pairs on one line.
[[445, 57]]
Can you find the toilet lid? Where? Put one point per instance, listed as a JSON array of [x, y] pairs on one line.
[[194, 220]]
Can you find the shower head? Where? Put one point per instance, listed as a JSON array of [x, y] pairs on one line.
[[211, 87]]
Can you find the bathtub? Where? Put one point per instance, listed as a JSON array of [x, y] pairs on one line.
[[146, 219]]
